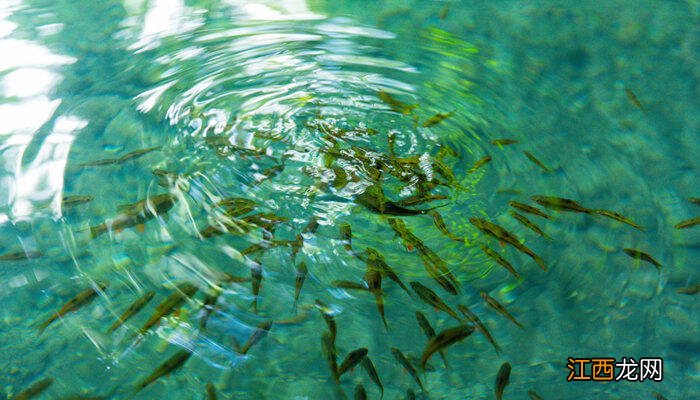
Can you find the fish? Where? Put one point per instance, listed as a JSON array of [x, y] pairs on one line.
[[171, 364], [658, 396], [346, 236], [349, 285], [258, 334], [503, 142], [528, 209], [436, 119], [618, 217], [434, 265], [502, 235], [236, 206], [211, 391], [694, 200], [256, 275], [373, 199], [270, 173], [474, 319], [528, 224], [376, 261], [420, 198], [21, 255], [429, 332], [136, 154], [374, 284], [501, 260], [440, 224], [81, 299], [536, 161], [301, 272], [410, 395], [633, 99], [328, 348], [136, 214], [444, 339], [351, 360], [372, 372], [208, 306], [182, 292], [399, 107], [560, 204], [311, 226], [443, 13], [328, 317], [99, 163], [502, 379], [401, 358], [295, 320], [134, 308], [34, 390], [688, 223], [360, 393], [533, 395], [690, 289], [493, 303], [479, 163], [431, 298], [72, 201], [640, 255]]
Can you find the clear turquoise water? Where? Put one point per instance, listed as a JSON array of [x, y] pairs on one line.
[[83, 80]]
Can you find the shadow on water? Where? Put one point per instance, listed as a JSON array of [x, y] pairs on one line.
[[223, 179]]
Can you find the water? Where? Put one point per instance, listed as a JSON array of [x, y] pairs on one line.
[[279, 103]]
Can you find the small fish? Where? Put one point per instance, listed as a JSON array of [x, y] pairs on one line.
[[21, 255], [474, 319], [295, 320], [236, 206], [401, 358], [503, 142], [503, 235], [373, 199], [536, 161], [328, 348], [689, 290], [431, 298], [376, 261], [301, 272], [396, 105], [134, 308], [346, 235], [688, 223], [328, 317], [98, 163], [640, 255], [372, 372], [34, 390], [502, 379], [136, 154], [360, 393], [136, 214], [501, 260], [349, 285], [82, 298], [493, 303], [256, 280], [440, 224], [419, 199], [633, 99], [658, 396], [208, 305], [444, 339], [260, 332], [311, 226], [533, 395], [211, 391], [170, 365], [443, 13], [694, 200], [182, 292], [410, 395], [374, 283], [560, 204], [618, 217], [480, 163], [72, 201], [429, 332], [528, 209], [527, 223], [351, 360], [436, 119]]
